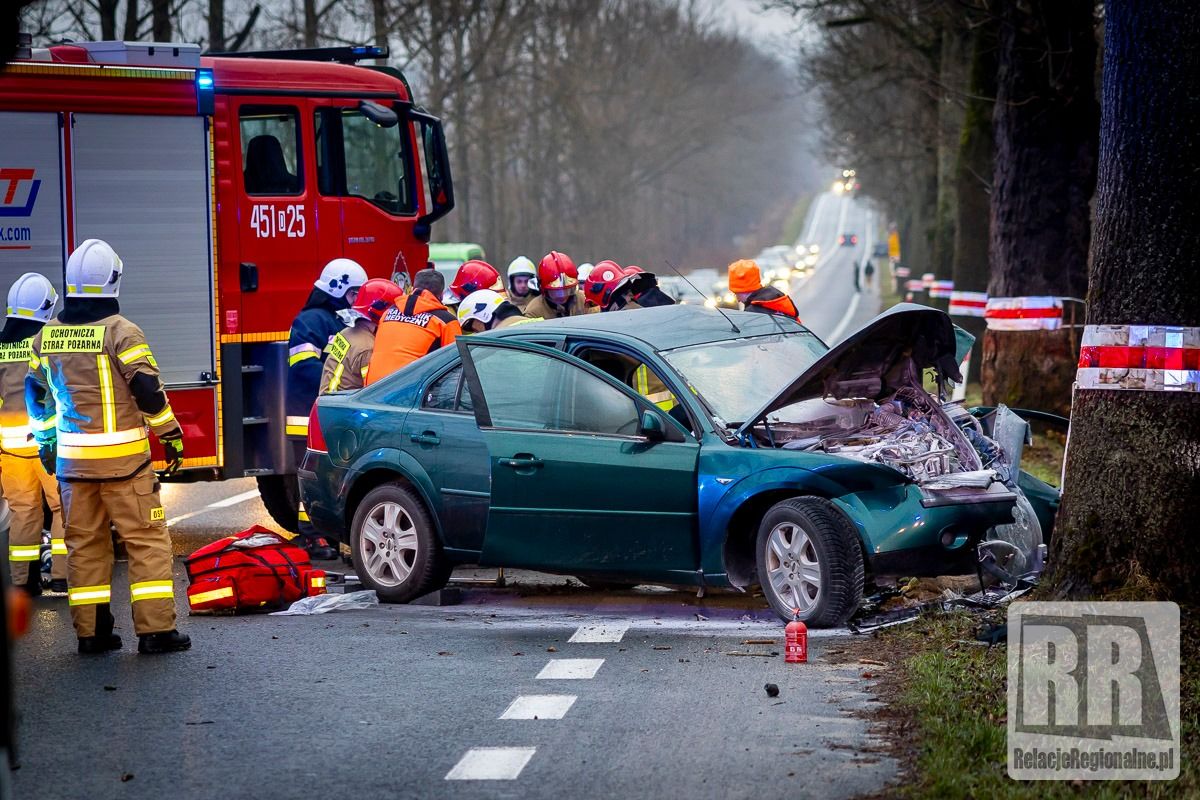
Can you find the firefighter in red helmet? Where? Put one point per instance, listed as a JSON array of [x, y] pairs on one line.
[[350, 350], [474, 276], [599, 282], [558, 281]]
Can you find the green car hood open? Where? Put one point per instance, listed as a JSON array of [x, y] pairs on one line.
[[858, 366]]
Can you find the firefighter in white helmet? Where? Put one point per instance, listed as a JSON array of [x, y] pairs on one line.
[[31, 304], [477, 311], [324, 315], [92, 371], [522, 282]]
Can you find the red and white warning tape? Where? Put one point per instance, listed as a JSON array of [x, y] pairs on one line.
[[1024, 313], [914, 285], [1156, 358], [901, 272], [927, 279], [941, 289], [968, 304]]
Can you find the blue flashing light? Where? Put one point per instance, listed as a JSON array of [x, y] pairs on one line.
[[205, 90], [204, 80]]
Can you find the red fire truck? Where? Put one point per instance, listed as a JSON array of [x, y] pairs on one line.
[[225, 183]]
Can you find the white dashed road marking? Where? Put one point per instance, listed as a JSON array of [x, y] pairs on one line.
[[539, 706], [491, 764], [570, 669], [226, 503], [600, 633]]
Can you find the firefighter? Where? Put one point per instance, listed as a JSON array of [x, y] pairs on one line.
[[599, 282], [92, 371], [31, 302], [745, 281], [558, 282], [473, 276], [636, 288], [308, 345], [508, 315], [522, 282], [350, 350], [477, 311], [414, 326]]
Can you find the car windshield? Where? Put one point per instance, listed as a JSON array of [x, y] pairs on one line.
[[737, 377]]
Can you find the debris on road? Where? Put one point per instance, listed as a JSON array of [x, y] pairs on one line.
[[661, 647], [771, 654], [772, 690], [758, 641], [324, 603]]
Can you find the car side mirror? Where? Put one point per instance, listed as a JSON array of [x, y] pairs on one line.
[[655, 429]]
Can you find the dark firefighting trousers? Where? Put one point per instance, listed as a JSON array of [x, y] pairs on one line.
[[24, 481], [134, 507]]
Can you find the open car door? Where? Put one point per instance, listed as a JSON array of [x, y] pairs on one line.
[[587, 477]]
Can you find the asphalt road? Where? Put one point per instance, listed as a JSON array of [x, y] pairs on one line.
[[420, 701]]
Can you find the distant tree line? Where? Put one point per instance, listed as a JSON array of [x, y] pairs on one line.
[[639, 130]]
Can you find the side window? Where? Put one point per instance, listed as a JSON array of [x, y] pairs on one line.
[[271, 150], [375, 162], [442, 394], [531, 391]]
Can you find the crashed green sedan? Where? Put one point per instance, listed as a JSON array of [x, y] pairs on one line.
[[677, 445]]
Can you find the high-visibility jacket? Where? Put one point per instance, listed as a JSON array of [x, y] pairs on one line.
[[16, 435], [100, 383], [540, 307], [308, 343], [414, 326], [649, 386], [769, 300], [349, 355]]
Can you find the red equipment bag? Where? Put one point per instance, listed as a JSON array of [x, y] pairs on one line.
[[254, 570]]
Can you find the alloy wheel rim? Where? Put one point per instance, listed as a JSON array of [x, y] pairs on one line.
[[388, 544], [793, 568]]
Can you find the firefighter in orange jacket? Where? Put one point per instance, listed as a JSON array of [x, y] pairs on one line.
[[92, 370], [31, 302], [415, 325], [745, 281]]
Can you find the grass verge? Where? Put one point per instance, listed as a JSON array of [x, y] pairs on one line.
[[793, 226], [946, 715]]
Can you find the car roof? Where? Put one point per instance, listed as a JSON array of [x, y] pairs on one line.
[[666, 327]]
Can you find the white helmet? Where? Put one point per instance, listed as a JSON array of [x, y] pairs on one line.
[[521, 266], [94, 270], [339, 276], [480, 305], [450, 299], [584, 270], [32, 297]]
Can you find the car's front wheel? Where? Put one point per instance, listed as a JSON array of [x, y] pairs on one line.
[[394, 545], [809, 559]]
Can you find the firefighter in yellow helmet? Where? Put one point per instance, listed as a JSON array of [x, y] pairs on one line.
[[31, 303], [93, 371]]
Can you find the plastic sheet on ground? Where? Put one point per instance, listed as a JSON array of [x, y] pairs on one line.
[[324, 603]]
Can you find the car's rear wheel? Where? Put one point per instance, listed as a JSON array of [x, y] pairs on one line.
[[808, 558], [394, 547]]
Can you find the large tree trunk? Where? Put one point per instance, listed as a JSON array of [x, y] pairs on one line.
[[952, 70], [1045, 128], [973, 175], [1133, 464], [108, 19], [131, 21], [160, 20], [216, 26]]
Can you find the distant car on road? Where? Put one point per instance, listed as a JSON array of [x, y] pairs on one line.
[[667, 445], [880, 250], [848, 239]]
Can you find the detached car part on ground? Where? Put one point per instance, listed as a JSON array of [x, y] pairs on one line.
[[752, 454]]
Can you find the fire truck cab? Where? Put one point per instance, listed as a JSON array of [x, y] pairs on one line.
[[225, 183]]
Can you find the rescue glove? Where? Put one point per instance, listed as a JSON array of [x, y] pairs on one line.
[[174, 451], [48, 453]]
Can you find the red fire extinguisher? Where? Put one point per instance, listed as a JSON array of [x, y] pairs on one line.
[[796, 641]]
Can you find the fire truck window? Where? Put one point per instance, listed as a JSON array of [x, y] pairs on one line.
[[271, 151], [375, 162]]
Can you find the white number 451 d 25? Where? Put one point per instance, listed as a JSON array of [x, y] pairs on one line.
[[268, 221]]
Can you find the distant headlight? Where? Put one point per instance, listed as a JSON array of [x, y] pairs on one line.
[[811, 260], [730, 297], [710, 302], [816, 248]]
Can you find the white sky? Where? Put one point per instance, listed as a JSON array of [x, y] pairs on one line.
[[749, 17]]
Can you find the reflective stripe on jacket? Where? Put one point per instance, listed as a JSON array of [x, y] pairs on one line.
[[541, 308], [414, 326], [16, 437], [349, 355], [82, 374], [308, 344]]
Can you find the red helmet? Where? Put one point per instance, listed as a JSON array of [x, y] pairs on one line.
[[374, 298], [557, 271], [636, 278], [595, 288], [475, 275]]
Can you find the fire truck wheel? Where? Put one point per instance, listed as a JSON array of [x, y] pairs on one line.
[[394, 545], [809, 558], [281, 495]]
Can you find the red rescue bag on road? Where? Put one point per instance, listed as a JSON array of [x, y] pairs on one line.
[[255, 570]]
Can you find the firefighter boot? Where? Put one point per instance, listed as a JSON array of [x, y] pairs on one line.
[[166, 642], [58, 585], [105, 639], [33, 580]]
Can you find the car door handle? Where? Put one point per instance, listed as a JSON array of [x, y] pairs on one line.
[[523, 462], [428, 437]]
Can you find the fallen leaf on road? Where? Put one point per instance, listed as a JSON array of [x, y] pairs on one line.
[[110, 688], [274, 637], [518, 654], [551, 649], [758, 641], [872, 662], [126, 777], [868, 675], [661, 647]]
